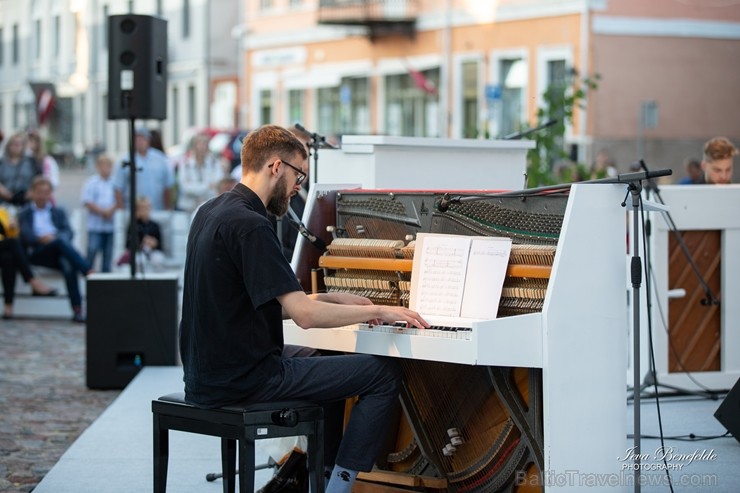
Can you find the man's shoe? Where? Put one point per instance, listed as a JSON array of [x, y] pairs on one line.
[[51, 292], [78, 318], [292, 477]]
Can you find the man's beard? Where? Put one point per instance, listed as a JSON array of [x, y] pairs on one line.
[[278, 203]]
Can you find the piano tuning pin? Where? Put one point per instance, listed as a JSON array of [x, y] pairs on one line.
[[453, 432], [448, 450], [457, 441]]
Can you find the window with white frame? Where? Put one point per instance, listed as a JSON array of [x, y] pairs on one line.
[[344, 109], [557, 81], [106, 12], [265, 106], [191, 106], [411, 110], [56, 33], [470, 103], [16, 45], [175, 115], [37, 39], [295, 106], [354, 98], [328, 110], [513, 81], [186, 19]]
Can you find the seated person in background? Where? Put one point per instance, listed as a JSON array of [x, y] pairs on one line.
[[148, 235], [12, 260], [46, 232], [717, 163], [694, 174]]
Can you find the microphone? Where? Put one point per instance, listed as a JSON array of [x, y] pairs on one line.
[[317, 141], [443, 203], [303, 230], [301, 128]]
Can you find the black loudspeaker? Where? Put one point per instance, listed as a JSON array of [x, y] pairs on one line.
[[137, 67], [728, 413], [131, 323]]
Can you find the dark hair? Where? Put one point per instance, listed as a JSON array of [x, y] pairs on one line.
[[267, 141]]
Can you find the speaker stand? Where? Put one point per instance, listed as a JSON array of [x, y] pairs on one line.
[[133, 239]]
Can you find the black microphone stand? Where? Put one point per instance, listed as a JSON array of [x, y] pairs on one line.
[[525, 133], [651, 379], [317, 142]]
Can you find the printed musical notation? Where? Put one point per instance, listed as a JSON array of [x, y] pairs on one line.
[[458, 276]]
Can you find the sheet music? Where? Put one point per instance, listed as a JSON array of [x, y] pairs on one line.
[[489, 258], [442, 266], [458, 276]]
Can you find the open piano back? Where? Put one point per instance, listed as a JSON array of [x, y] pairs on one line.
[[533, 398]]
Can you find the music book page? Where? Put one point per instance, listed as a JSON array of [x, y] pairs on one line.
[[458, 276]]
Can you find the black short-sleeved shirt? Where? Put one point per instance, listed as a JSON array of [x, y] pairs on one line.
[[231, 333]]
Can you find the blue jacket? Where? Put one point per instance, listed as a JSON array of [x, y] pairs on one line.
[[58, 217]]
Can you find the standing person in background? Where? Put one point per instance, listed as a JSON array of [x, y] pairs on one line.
[[717, 163], [154, 176], [44, 162], [197, 175], [694, 173], [99, 198], [46, 232], [17, 170]]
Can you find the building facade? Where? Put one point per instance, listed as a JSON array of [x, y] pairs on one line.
[[54, 69], [463, 68], [439, 68]]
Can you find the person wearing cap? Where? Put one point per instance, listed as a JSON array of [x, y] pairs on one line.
[[154, 177]]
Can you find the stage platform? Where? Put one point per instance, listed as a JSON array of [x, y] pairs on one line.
[[115, 453]]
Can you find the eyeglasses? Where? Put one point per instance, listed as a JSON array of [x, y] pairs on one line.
[[301, 176]]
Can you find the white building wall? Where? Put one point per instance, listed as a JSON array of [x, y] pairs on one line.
[[78, 67]]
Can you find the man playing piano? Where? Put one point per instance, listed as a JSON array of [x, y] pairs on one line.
[[238, 287]]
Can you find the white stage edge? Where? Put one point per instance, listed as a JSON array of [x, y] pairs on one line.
[[115, 453]]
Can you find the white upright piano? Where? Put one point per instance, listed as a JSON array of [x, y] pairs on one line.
[[576, 341]]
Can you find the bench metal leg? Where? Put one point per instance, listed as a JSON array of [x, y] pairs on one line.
[[228, 465], [161, 455], [246, 465]]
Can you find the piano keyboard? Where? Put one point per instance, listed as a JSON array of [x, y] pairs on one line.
[[439, 331]]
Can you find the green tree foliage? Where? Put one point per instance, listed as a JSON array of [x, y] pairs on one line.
[[559, 104]]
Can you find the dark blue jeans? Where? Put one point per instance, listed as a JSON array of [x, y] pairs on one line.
[[61, 255], [12, 260], [100, 241], [332, 379]]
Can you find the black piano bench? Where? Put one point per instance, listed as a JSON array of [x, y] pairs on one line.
[[242, 424]]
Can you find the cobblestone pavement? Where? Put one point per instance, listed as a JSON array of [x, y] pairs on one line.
[[44, 403]]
